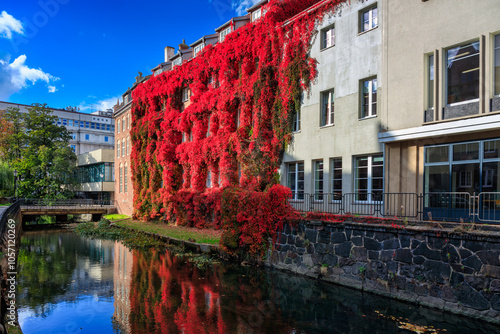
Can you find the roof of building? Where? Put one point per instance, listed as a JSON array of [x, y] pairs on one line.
[[202, 40], [257, 5], [234, 19]]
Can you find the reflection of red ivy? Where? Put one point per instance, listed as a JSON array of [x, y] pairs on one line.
[[244, 92]]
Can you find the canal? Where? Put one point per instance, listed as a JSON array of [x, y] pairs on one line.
[[73, 284]]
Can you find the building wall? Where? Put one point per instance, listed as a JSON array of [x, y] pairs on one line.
[[96, 138], [124, 199], [432, 28], [354, 57]]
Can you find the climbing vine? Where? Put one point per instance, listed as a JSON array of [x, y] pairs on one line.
[[229, 139]]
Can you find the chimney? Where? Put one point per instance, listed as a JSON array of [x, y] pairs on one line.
[[183, 45], [169, 53]]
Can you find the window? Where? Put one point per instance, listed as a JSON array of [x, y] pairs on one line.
[[185, 95], [430, 82], [296, 120], [224, 33], [127, 122], [198, 49], [128, 145], [123, 124], [462, 75], [328, 37], [318, 180], [123, 147], [76, 123], [106, 139], [369, 19], [208, 126], [73, 147], [125, 187], [237, 120], [98, 126], [295, 179], [256, 15], [118, 128], [369, 178], [369, 99], [70, 122], [336, 179], [327, 108], [87, 125], [209, 179], [92, 125], [87, 137], [108, 127], [73, 136], [58, 121], [177, 61], [118, 149], [497, 65], [121, 179]]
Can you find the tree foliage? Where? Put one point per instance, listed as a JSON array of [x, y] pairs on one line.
[[38, 149]]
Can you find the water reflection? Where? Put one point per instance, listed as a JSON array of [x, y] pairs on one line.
[[71, 284]]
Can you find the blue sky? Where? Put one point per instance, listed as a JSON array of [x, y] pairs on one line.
[[86, 53]]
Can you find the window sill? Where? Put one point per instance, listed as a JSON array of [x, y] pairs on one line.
[[327, 48], [326, 126], [367, 31], [461, 103], [296, 132], [367, 117]]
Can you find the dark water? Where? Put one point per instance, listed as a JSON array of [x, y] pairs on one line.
[[72, 284]]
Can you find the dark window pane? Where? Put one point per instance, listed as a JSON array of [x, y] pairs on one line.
[[469, 151], [491, 149], [463, 73], [437, 154]]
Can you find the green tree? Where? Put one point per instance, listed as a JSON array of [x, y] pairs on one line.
[[6, 180], [38, 149]]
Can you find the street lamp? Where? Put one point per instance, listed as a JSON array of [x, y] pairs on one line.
[[15, 183]]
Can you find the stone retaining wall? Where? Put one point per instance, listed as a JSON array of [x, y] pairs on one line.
[[457, 272]]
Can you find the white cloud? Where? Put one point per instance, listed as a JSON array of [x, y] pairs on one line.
[[17, 75], [101, 105], [240, 6], [8, 25]]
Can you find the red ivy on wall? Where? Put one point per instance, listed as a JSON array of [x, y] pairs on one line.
[[244, 94]]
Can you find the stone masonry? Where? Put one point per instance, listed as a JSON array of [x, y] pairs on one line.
[[454, 271]]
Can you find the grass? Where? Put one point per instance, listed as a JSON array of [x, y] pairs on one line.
[[5, 204], [115, 216], [206, 236]]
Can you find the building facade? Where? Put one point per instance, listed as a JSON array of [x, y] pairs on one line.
[[95, 175], [123, 190], [89, 131]]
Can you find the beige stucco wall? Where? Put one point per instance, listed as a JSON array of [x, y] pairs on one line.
[[355, 56], [413, 29], [97, 156]]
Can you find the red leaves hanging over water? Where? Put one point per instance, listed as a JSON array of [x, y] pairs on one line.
[[244, 94]]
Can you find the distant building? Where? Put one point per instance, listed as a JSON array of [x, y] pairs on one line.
[[89, 131], [96, 174], [123, 191]]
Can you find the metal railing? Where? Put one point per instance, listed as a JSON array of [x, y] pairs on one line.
[[4, 215], [442, 206], [55, 203]]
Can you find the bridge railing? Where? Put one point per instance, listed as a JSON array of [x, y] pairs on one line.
[[4, 215], [55, 203]]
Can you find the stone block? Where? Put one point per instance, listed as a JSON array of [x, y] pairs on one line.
[[437, 271], [456, 279], [475, 246], [495, 285], [469, 297], [462, 269], [421, 290], [403, 255], [464, 253], [338, 237], [450, 254], [490, 271], [478, 282], [473, 262], [387, 255], [301, 251], [373, 255], [357, 241], [415, 243], [359, 254], [381, 236], [447, 294], [372, 244], [426, 252], [436, 243], [358, 233], [287, 229], [317, 259], [418, 260], [311, 235], [405, 240], [331, 260], [310, 248], [491, 257], [495, 301], [291, 239], [343, 249], [283, 238], [324, 237], [391, 244], [321, 248]]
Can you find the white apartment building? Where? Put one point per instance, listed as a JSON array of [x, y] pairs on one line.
[[89, 132]]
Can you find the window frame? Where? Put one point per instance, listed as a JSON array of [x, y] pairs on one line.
[[496, 48], [198, 48], [223, 34], [324, 45], [296, 195], [369, 178], [333, 179], [318, 182], [327, 119], [362, 114], [368, 10]]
